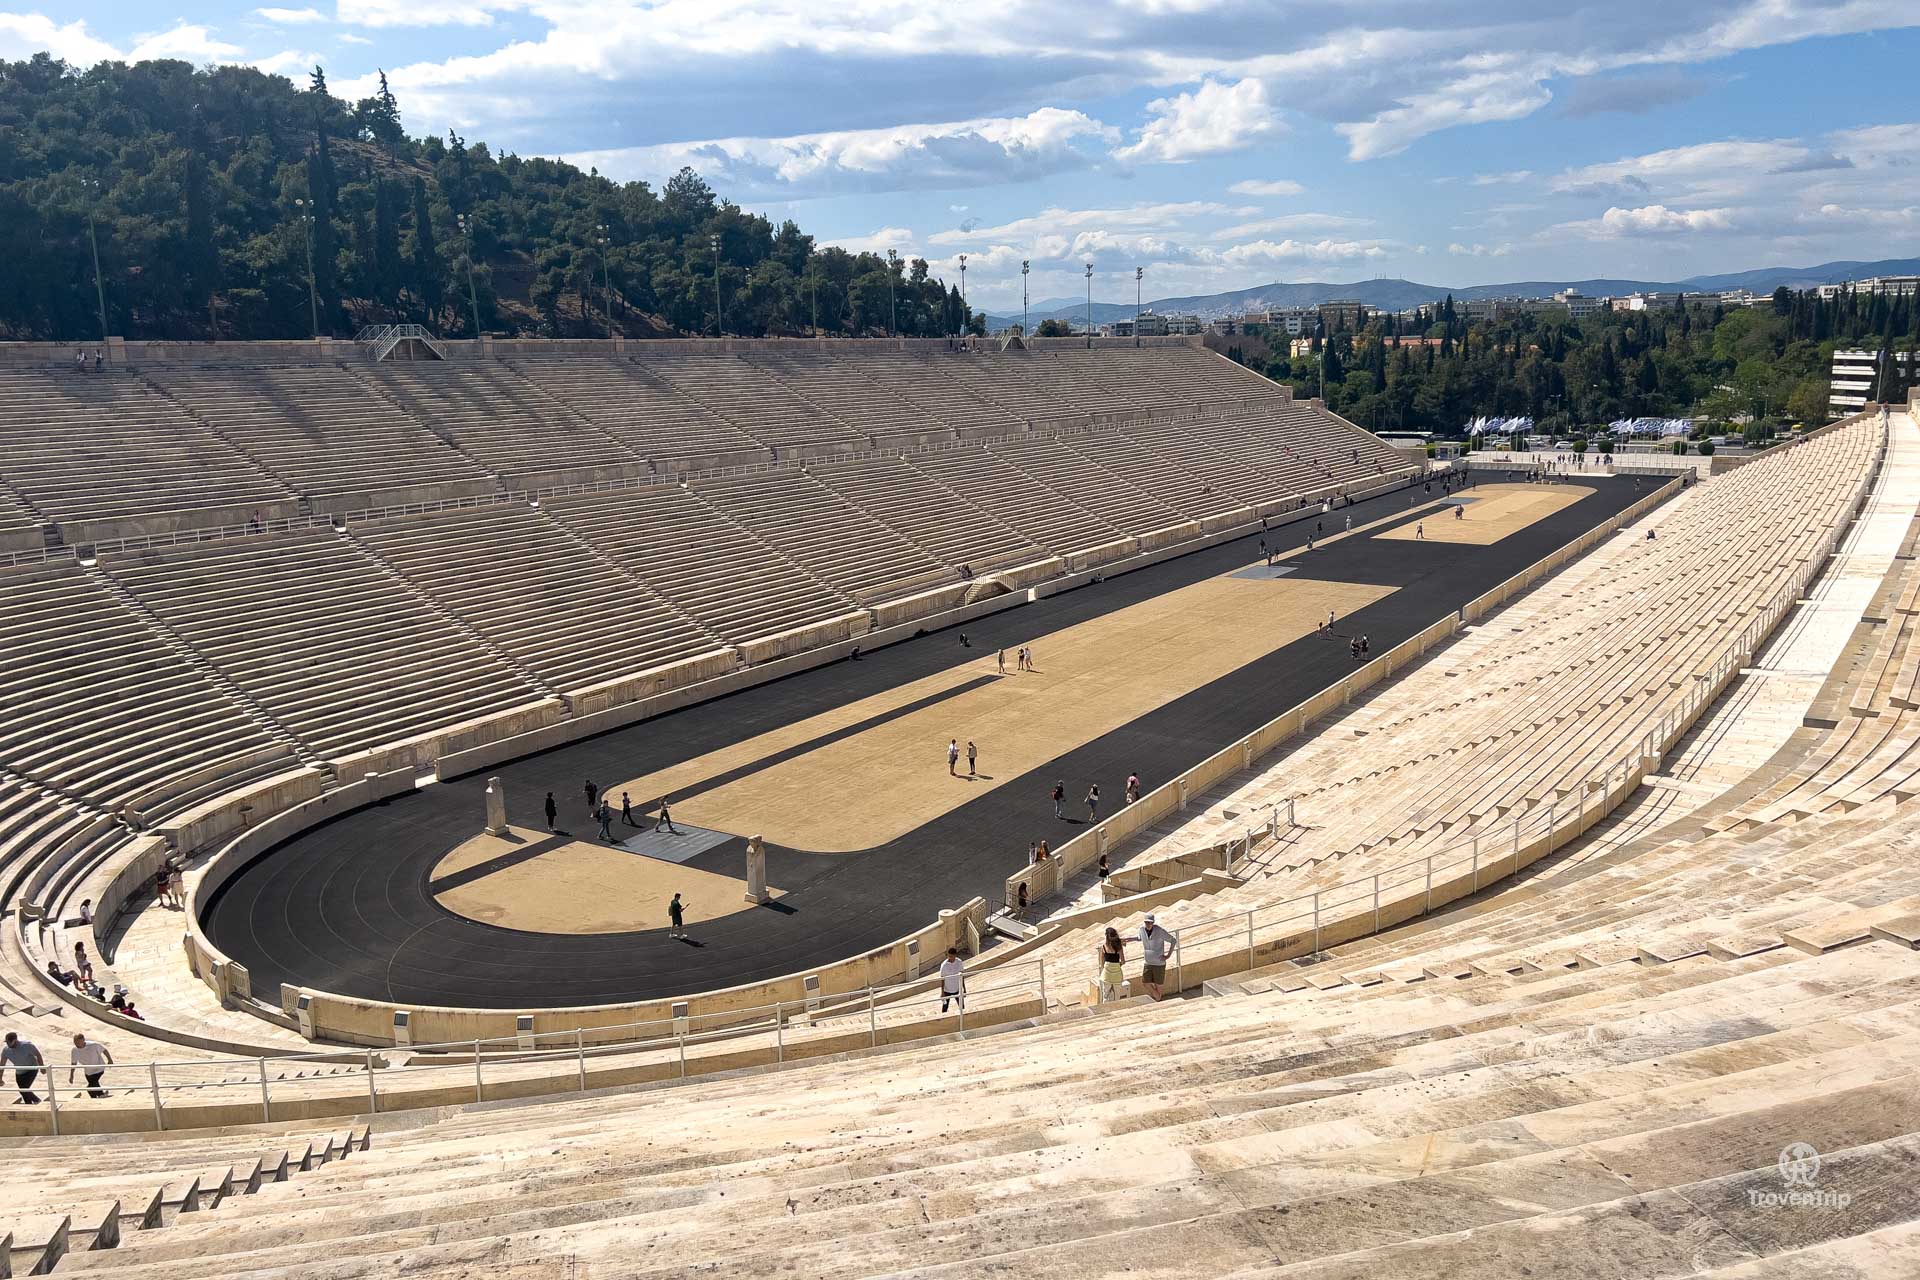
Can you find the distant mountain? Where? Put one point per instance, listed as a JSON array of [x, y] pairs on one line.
[[1399, 295]]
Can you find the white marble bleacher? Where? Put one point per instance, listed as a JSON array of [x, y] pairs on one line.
[[1065, 469], [828, 536], [504, 422], [543, 595], [920, 381], [101, 709], [949, 524], [1602, 1123], [93, 447], [334, 647], [869, 407], [726, 578], [322, 433], [641, 411], [1039, 511], [737, 391]]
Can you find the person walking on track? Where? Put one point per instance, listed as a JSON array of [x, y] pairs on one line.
[[1059, 799], [677, 912], [1093, 804], [973, 759], [953, 757]]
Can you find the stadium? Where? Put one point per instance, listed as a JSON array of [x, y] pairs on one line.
[[1530, 843]]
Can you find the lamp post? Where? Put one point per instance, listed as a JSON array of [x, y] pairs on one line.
[[719, 314], [1026, 265], [965, 315], [313, 292], [1138, 272], [893, 307], [606, 275], [813, 289], [466, 250], [1089, 306], [92, 186]]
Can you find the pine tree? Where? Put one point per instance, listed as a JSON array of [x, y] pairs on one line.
[[429, 273]]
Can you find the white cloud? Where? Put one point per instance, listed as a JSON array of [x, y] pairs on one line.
[[899, 239], [347, 37], [963, 153], [187, 41], [1264, 252], [24, 34], [1480, 250], [1212, 119], [1143, 218], [1277, 187], [1467, 99], [1652, 220], [1835, 217], [427, 13], [291, 17], [289, 62], [1289, 224]]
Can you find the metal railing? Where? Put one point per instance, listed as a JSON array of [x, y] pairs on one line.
[[548, 1055]]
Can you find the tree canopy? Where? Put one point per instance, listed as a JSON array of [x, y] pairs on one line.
[[1763, 363], [226, 202]]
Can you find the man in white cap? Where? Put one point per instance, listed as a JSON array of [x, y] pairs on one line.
[[1155, 943]]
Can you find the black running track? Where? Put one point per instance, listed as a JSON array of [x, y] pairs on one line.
[[345, 908]]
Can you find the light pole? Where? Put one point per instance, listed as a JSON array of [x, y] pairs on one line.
[[893, 260], [1089, 306], [1026, 265], [1138, 272], [606, 273], [719, 315], [466, 249], [93, 239], [813, 288], [965, 315], [313, 292]]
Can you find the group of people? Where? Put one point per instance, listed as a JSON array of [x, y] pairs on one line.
[[1022, 657], [1157, 944], [89, 1057], [600, 810], [953, 758], [170, 885]]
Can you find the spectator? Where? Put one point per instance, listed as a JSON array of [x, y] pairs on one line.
[[1112, 954], [973, 759], [592, 793], [1059, 798], [1103, 870], [54, 972], [1023, 900], [665, 819], [953, 981], [82, 965], [177, 883], [605, 814], [1042, 853], [93, 1059], [86, 911], [1093, 804], [626, 811], [1155, 944], [553, 813], [1133, 788], [677, 913], [24, 1057]]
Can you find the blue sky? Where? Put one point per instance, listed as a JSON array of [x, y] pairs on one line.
[[1218, 143]]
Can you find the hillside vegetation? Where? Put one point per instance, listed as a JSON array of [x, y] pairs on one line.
[[196, 183]]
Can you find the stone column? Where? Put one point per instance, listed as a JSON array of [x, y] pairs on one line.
[[756, 869], [496, 808]]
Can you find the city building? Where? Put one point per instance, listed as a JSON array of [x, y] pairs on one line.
[[1579, 305], [1343, 313], [1856, 380]]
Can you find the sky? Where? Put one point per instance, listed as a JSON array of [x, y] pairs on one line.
[[1217, 144]]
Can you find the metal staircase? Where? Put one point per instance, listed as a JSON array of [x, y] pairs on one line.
[[385, 339]]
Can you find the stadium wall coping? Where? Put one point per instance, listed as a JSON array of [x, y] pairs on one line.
[[118, 352], [268, 814]]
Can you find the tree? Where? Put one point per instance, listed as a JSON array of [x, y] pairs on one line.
[[1053, 329], [429, 273]]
